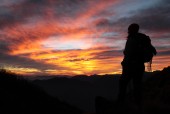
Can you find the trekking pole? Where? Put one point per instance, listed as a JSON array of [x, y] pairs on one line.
[[149, 66]]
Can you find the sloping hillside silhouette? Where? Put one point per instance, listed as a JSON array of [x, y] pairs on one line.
[[19, 96], [157, 92]]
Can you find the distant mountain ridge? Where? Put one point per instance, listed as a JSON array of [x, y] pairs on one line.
[[78, 89], [81, 91]]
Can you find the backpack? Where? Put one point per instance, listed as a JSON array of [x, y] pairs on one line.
[[148, 49]]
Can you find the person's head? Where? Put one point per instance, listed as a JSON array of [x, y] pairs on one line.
[[133, 28]]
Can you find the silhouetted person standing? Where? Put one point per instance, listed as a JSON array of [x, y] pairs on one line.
[[133, 63]]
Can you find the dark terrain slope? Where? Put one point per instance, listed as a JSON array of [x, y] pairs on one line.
[[18, 96]]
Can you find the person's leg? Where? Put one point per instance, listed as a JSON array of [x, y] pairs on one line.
[[123, 83], [137, 84]]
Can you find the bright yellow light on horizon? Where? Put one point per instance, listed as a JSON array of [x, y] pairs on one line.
[[23, 70]]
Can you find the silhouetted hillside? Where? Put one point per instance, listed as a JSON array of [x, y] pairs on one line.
[[157, 92], [156, 97], [18, 96]]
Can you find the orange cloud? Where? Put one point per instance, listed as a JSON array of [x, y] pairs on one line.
[[78, 61]]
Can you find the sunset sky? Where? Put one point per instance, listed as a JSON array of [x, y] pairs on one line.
[[73, 37]]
